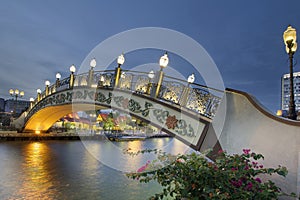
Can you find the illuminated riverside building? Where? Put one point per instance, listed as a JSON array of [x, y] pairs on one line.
[[285, 91]]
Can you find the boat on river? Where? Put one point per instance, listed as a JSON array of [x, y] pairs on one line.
[[122, 136]]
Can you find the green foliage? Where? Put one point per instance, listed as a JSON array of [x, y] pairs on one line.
[[192, 176], [109, 124]]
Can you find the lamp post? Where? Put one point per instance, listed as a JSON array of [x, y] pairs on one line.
[[47, 83], [186, 91], [151, 76], [101, 81], [38, 91], [72, 70], [191, 79], [31, 102], [57, 82], [16, 93], [93, 64], [290, 38], [121, 60], [163, 63]]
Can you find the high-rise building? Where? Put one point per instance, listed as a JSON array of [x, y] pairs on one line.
[[2, 104], [285, 91]]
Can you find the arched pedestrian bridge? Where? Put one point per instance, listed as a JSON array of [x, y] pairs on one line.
[[199, 116], [177, 107]]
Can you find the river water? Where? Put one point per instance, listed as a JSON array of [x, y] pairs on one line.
[[77, 169]]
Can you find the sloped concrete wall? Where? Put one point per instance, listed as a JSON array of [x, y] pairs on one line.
[[242, 123], [19, 122]]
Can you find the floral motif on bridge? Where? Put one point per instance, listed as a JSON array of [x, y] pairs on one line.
[[171, 122], [180, 126]]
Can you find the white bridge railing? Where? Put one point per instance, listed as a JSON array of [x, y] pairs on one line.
[[195, 97]]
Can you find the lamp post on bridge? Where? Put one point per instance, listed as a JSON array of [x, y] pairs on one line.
[[290, 38], [39, 94], [57, 82], [93, 64], [16, 93], [47, 83], [163, 63], [186, 91], [72, 70], [151, 75], [121, 60], [31, 102]]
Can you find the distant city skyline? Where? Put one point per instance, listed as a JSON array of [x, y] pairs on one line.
[[40, 38]]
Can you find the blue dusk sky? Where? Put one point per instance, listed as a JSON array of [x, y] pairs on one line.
[[244, 38]]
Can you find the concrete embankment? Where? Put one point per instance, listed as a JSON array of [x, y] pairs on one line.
[[14, 136]]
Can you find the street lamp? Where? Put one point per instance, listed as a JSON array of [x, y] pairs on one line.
[[151, 76], [57, 83], [16, 93], [101, 82], [163, 63], [120, 60], [93, 64], [38, 91], [72, 70], [191, 79], [47, 83], [290, 41], [31, 102], [185, 94]]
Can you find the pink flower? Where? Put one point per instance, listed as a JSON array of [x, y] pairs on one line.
[[237, 183], [261, 166], [246, 151], [233, 169], [249, 186], [246, 167], [258, 180], [220, 151], [143, 168]]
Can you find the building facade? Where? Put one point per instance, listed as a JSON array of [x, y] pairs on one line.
[[13, 106], [2, 104], [285, 91]]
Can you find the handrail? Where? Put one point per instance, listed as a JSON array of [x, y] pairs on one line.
[[195, 97], [261, 109]]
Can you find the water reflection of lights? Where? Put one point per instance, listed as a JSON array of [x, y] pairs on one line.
[[37, 183], [178, 147]]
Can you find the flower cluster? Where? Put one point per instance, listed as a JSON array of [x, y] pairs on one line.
[[193, 176]]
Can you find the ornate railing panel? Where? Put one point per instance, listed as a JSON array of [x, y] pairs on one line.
[[171, 91], [142, 84], [201, 101], [125, 81]]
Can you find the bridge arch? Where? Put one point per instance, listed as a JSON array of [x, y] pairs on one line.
[[172, 119], [180, 109]]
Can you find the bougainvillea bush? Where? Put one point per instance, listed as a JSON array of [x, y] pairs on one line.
[[193, 176]]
